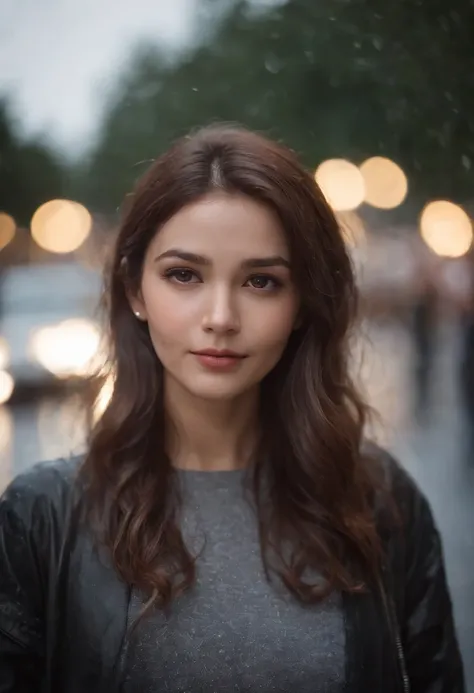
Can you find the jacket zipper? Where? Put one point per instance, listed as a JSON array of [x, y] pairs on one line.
[[393, 623], [401, 660]]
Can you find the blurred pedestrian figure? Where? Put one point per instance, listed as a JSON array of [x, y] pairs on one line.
[[424, 333]]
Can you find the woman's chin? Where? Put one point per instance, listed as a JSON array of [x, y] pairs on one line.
[[216, 394], [218, 389]]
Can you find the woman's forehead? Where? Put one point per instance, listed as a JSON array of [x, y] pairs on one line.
[[223, 225]]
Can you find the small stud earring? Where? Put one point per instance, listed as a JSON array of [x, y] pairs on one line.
[[137, 313]]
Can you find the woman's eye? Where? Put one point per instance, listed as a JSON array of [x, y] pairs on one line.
[[182, 276], [262, 281]]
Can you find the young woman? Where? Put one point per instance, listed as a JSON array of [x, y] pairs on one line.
[[227, 529]]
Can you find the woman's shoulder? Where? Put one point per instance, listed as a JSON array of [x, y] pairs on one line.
[[44, 487], [33, 509]]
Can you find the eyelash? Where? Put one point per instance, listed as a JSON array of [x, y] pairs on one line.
[[173, 273]]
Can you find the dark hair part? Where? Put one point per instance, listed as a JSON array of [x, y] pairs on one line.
[[317, 484]]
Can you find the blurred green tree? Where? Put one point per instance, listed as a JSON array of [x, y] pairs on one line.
[[30, 173], [351, 78]]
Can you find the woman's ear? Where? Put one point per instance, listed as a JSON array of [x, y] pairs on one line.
[[137, 305], [133, 293]]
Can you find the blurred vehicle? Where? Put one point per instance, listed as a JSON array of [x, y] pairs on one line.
[[47, 321]]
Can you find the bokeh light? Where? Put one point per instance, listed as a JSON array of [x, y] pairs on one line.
[[7, 229], [7, 385], [341, 183], [68, 349], [61, 226], [446, 229], [386, 185]]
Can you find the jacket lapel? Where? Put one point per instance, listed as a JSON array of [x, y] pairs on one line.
[[94, 605]]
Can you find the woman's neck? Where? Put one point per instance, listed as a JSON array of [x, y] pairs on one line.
[[211, 435]]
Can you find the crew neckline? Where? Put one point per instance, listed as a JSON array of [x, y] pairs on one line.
[[220, 479]]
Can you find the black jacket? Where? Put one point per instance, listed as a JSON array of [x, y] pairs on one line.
[[63, 610]]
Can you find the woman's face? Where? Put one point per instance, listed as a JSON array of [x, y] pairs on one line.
[[216, 279]]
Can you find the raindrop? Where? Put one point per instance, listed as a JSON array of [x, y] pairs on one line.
[[273, 64]]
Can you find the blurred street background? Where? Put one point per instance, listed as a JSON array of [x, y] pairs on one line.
[[378, 100]]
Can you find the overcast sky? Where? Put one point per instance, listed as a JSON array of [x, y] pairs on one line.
[[59, 57]]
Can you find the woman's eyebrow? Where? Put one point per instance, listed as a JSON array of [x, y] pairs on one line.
[[250, 263], [184, 255]]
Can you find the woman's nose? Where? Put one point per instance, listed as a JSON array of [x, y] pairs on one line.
[[221, 315]]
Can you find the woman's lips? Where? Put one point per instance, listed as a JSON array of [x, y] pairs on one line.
[[218, 361]]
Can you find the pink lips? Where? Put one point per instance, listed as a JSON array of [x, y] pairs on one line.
[[221, 360]]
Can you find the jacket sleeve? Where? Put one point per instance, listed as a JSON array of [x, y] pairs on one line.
[[21, 581], [433, 660]]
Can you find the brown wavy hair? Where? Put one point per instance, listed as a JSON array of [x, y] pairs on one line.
[[315, 498]]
